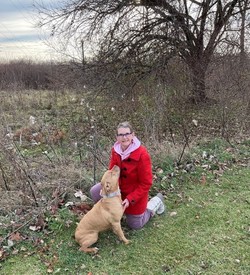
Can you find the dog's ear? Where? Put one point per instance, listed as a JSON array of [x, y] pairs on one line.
[[103, 178]]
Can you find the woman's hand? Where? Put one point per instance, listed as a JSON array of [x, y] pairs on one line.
[[125, 204]]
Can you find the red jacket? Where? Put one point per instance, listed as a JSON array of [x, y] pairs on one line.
[[135, 178]]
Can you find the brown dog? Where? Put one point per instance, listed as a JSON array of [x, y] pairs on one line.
[[106, 213]]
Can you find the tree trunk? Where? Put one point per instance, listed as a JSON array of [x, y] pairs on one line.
[[198, 79], [243, 12], [198, 87]]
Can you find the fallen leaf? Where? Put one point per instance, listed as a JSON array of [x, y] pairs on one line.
[[204, 154], [56, 193], [34, 228], [172, 214], [159, 171], [53, 209], [69, 203], [195, 122], [203, 179], [15, 252], [80, 195], [2, 252], [81, 208], [16, 236], [10, 243], [40, 223]]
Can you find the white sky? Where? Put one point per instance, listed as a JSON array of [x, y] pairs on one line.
[[19, 39]]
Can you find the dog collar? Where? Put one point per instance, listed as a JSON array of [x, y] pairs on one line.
[[111, 195]]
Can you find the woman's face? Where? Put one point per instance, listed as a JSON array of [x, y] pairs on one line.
[[124, 137]]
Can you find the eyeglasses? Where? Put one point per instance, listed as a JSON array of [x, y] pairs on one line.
[[123, 135]]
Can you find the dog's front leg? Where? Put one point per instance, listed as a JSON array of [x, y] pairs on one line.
[[118, 231]]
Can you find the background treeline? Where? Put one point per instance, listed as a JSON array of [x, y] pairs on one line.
[[228, 76], [26, 74], [156, 98]]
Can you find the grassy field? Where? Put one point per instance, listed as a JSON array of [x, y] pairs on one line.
[[205, 231], [205, 182]]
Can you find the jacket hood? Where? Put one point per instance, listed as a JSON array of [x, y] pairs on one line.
[[135, 144]]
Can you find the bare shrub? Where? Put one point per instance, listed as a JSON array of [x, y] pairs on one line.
[[229, 85]]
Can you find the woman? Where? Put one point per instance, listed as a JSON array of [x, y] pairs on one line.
[[135, 178]]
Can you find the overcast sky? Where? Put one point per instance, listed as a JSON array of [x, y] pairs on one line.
[[18, 36]]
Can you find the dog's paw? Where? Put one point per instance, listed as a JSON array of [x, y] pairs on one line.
[[127, 242], [95, 250]]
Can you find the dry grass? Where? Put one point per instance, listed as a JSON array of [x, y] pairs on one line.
[[68, 146]]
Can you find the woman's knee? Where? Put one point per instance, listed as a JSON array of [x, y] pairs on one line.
[[95, 192], [138, 221], [134, 221], [134, 226]]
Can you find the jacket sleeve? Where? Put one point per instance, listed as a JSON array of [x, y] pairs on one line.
[[145, 178]]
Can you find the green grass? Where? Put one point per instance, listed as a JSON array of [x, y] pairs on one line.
[[208, 235]]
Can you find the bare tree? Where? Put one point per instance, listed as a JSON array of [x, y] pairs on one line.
[[190, 29], [243, 8]]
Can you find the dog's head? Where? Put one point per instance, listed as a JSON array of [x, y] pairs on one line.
[[110, 181]]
